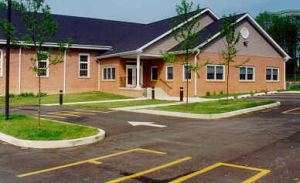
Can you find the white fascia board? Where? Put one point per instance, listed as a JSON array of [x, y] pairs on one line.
[[118, 54], [171, 30], [56, 45]]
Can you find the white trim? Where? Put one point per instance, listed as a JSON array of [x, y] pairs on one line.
[[118, 54], [272, 79], [1, 63], [246, 74], [65, 72], [215, 73], [88, 63], [56, 45], [138, 71], [152, 67], [20, 69], [108, 67], [169, 66], [286, 56], [284, 76], [180, 25]]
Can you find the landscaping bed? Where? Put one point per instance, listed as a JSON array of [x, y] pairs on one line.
[[110, 105], [25, 128], [215, 107], [30, 99]]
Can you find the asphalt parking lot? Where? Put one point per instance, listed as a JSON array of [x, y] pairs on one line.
[[257, 147]]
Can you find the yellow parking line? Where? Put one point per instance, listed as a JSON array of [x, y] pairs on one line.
[[149, 170], [262, 172], [184, 178], [95, 162], [291, 110], [88, 161]]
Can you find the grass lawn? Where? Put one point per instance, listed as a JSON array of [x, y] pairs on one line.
[[224, 95], [105, 106], [215, 107], [25, 127], [50, 99]]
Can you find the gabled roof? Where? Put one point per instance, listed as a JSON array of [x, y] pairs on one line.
[[147, 35], [212, 32]]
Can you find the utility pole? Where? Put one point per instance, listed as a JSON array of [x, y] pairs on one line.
[[7, 60]]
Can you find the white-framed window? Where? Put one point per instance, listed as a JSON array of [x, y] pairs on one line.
[[154, 73], [169, 73], [272, 74], [43, 67], [187, 72], [109, 73], [215, 72], [84, 66], [247, 73], [1, 63]]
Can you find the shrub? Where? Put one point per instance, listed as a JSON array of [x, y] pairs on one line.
[[221, 93], [11, 95], [207, 93], [27, 94]]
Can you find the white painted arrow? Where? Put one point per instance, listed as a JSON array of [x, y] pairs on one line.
[[152, 124]]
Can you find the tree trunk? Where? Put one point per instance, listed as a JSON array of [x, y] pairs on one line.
[[39, 100]]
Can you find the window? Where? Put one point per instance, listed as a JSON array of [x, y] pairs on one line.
[[109, 73], [187, 72], [42, 66], [247, 73], [84, 65], [170, 73], [154, 73], [215, 72], [1, 63], [272, 74]]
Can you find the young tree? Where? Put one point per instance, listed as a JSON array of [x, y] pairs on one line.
[[40, 28], [231, 40], [187, 36]]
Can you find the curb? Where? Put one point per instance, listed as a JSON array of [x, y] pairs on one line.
[[206, 116], [55, 144]]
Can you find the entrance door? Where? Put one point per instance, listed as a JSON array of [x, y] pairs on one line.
[[130, 76]]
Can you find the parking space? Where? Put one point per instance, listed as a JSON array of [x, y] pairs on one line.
[[102, 161]]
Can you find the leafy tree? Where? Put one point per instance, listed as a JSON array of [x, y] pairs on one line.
[[40, 29], [285, 30], [187, 36]]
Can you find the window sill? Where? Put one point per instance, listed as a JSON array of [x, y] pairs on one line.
[[272, 81], [111, 80], [84, 77], [247, 81]]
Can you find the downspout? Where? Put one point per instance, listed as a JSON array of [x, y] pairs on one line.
[[284, 72], [195, 73]]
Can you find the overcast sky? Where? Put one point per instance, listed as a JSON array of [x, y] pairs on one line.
[[146, 11]]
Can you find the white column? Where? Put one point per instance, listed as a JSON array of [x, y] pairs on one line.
[[20, 68], [65, 71], [138, 69], [99, 67]]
